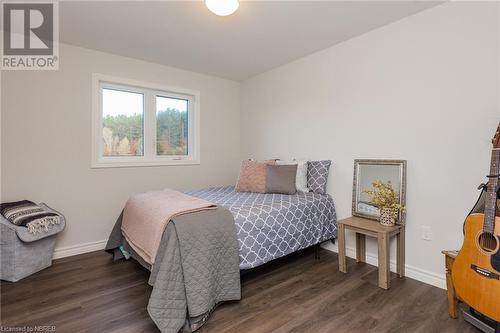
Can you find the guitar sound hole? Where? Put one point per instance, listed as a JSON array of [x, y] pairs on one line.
[[488, 242]]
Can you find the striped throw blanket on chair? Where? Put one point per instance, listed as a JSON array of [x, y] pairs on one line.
[[28, 214]]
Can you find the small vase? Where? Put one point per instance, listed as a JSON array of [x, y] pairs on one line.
[[387, 217]]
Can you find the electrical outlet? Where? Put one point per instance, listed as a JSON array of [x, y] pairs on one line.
[[426, 233]]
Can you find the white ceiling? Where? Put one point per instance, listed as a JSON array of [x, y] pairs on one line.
[[261, 35]]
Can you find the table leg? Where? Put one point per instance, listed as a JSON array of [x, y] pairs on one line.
[[383, 261], [400, 238], [360, 248], [452, 298], [342, 259]]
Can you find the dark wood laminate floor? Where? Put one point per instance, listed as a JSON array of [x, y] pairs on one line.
[[90, 293]]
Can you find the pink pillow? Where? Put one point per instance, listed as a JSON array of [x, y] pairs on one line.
[[253, 176]]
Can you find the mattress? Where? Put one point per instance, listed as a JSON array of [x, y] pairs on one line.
[[270, 226]]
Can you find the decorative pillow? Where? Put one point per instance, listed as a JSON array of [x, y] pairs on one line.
[[301, 177], [253, 176], [317, 175], [281, 179]]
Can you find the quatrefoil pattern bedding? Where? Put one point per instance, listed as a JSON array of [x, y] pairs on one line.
[[317, 175], [270, 226]]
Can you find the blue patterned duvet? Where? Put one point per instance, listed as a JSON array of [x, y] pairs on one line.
[[270, 226]]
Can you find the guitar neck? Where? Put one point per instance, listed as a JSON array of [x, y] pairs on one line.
[[491, 194]]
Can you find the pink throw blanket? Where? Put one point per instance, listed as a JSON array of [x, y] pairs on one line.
[[146, 215]]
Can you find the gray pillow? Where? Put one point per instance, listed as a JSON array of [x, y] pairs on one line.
[[317, 175], [281, 179]]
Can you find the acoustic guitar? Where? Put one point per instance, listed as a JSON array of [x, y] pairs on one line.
[[476, 271]]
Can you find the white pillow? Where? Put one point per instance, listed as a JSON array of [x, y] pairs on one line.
[[301, 177]]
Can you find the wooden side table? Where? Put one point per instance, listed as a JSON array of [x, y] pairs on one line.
[[365, 227], [449, 257]]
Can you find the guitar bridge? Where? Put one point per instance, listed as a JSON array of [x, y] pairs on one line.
[[484, 272]]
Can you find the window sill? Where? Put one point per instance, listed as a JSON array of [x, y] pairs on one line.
[[132, 164]]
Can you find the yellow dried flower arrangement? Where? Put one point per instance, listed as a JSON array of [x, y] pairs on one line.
[[384, 196]]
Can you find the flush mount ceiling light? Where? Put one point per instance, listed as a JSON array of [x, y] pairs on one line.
[[222, 7]]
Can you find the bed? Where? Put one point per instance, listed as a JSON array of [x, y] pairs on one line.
[[270, 226], [202, 253]]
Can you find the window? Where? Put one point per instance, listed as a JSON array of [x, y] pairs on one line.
[[122, 122], [141, 124], [172, 126]]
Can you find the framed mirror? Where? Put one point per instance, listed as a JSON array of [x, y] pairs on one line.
[[366, 172]]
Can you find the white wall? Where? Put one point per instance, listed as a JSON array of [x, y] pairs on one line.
[[46, 141], [424, 89]]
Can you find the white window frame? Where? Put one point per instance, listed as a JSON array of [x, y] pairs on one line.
[[149, 91]]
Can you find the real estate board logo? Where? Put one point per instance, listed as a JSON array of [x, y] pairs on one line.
[[30, 38]]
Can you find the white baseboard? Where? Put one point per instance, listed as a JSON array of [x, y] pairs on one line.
[[69, 251], [438, 280]]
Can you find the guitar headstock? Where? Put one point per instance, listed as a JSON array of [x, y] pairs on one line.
[[496, 138]]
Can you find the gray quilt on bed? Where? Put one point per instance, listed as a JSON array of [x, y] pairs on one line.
[[196, 268], [270, 226]]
